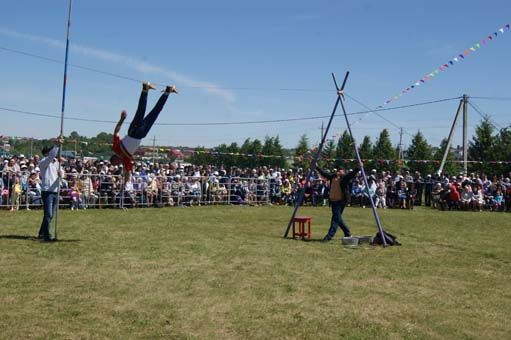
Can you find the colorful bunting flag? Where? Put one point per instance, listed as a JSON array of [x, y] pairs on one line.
[[443, 67]]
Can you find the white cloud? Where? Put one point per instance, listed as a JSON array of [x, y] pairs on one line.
[[128, 61]]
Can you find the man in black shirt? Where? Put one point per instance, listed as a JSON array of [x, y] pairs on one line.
[[339, 183]]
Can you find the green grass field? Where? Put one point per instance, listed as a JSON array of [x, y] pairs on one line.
[[227, 273]]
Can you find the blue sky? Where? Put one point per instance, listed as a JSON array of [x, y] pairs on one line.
[[230, 59]]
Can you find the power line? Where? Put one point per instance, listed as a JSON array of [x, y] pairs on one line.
[[485, 116], [491, 98], [379, 115], [120, 76], [229, 122], [124, 77]]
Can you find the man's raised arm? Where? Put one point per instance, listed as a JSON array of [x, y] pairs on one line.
[[119, 123], [324, 173]]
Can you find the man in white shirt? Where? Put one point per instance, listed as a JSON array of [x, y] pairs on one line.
[[50, 177]]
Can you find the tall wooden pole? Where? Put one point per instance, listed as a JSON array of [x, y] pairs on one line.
[[62, 115]]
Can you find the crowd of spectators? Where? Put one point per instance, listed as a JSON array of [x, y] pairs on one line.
[[98, 184]]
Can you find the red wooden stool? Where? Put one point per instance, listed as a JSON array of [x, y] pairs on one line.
[[301, 227]]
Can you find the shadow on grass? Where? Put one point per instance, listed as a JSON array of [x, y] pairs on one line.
[[304, 239], [34, 239]]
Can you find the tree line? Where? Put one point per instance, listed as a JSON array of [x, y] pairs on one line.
[[487, 144]]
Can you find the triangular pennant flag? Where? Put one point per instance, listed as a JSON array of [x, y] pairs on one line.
[[507, 26], [490, 37], [462, 56], [472, 49], [451, 62], [501, 30], [455, 59], [446, 65], [483, 41], [478, 45], [422, 81]]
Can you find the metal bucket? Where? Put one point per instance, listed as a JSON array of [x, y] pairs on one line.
[[350, 241], [364, 239]]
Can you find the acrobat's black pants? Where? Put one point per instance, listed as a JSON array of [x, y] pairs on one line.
[[140, 125]]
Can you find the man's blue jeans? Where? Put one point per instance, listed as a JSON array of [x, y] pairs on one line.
[[140, 126], [49, 207], [337, 222]]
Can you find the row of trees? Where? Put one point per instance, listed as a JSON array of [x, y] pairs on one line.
[[98, 146], [252, 153], [489, 151], [487, 144]]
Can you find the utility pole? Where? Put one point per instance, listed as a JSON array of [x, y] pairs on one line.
[[451, 134], [465, 135], [31, 147], [400, 151], [322, 130]]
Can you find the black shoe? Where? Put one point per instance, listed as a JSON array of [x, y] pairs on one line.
[[46, 239], [326, 239]]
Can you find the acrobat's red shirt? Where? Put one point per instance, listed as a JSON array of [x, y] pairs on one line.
[[120, 151]]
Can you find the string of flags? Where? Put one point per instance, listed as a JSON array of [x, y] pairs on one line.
[[457, 59], [349, 160], [309, 155]]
